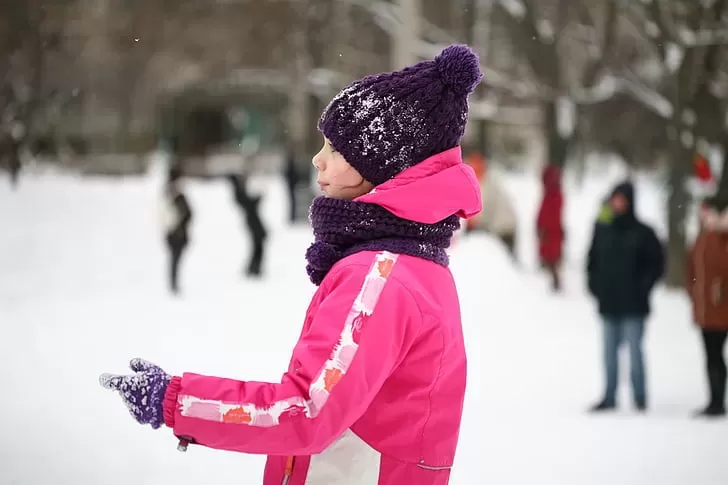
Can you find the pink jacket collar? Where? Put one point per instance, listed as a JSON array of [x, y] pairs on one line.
[[431, 191]]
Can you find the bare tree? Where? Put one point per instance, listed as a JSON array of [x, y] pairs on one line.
[[32, 35], [545, 32], [687, 37]]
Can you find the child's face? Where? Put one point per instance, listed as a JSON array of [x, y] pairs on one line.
[[336, 178]]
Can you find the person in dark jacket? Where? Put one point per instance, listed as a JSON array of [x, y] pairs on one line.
[[250, 205], [177, 218], [10, 148], [625, 262], [707, 286]]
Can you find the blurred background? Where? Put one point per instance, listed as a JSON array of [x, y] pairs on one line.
[[155, 179]]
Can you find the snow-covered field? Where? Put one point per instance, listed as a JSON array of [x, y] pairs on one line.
[[82, 290]]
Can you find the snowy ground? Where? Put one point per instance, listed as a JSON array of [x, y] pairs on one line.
[[82, 291]]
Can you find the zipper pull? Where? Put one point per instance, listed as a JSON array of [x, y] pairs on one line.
[[184, 442], [288, 473]]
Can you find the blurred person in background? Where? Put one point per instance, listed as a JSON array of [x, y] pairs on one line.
[[476, 161], [250, 207], [375, 386], [498, 216], [707, 286], [624, 263], [549, 225], [176, 218], [11, 148]]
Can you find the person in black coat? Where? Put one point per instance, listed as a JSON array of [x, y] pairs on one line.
[[250, 205], [178, 216], [625, 262]]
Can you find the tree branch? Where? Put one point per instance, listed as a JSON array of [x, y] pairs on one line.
[[515, 8], [525, 38], [609, 30], [704, 37]]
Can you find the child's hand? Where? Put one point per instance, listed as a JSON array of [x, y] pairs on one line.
[[142, 392]]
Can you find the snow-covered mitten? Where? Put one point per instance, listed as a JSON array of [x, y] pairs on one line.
[[142, 392]]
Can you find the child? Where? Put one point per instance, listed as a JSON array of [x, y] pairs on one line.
[[499, 215], [375, 387]]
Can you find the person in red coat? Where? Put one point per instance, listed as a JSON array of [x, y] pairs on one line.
[[549, 226]]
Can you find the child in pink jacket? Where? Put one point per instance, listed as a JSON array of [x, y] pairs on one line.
[[374, 391]]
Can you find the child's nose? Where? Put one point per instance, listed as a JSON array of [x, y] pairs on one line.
[[316, 161]]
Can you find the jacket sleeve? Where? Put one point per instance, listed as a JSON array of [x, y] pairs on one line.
[[591, 262], [652, 258], [360, 332]]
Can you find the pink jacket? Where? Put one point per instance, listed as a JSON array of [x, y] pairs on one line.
[[374, 391]]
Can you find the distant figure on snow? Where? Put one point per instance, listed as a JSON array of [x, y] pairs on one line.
[[625, 261], [476, 161], [549, 226], [498, 216], [250, 205], [177, 216], [12, 147], [707, 286]]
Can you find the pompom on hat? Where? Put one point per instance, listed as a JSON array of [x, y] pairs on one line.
[[385, 123]]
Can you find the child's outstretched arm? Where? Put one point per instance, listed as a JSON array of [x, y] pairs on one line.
[[360, 332]]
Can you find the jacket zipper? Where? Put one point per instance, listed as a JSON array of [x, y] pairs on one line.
[[288, 473]]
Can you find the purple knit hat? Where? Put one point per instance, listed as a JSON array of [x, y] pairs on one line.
[[386, 123]]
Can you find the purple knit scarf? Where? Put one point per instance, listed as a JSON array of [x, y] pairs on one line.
[[344, 227]]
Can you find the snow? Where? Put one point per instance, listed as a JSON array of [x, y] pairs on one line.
[[545, 30], [689, 117], [604, 89], [516, 8], [608, 85], [687, 138], [82, 292], [703, 37], [686, 35], [652, 29], [565, 116], [648, 96], [674, 56]]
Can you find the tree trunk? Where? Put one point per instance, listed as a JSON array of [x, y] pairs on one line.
[[406, 37], [677, 205], [556, 144], [723, 184], [472, 18], [298, 109]]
